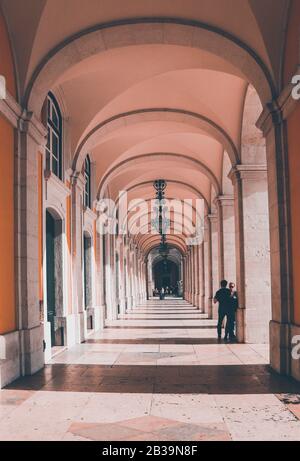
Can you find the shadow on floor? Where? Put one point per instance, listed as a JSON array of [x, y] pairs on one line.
[[194, 341], [189, 379], [161, 327]]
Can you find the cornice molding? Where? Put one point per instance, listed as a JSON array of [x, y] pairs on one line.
[[54, 182], [224, 200], [249, 172], [279, 109]]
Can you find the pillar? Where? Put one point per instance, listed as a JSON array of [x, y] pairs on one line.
[[273, 125], [208, 281], [31, 333], [225, 205], [253, 252], [201, 278], [214, 259]]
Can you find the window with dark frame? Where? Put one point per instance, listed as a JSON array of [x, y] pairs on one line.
[[87, 177], [54, 137]]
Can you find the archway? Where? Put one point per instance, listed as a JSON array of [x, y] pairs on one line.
[[166, 275]]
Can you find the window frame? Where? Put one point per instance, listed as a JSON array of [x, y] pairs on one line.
[[54, 131], [87, 185]]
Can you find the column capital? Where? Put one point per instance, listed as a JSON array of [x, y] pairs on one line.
[[279, 109], [248, 172], [213, 217], [77, 179], [28, 123], [224, 200]]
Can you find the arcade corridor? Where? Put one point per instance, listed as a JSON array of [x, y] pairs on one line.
[[149, 149], [156, 374]]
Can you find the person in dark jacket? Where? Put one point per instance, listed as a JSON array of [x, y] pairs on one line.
[[230, 325], [223, 297]]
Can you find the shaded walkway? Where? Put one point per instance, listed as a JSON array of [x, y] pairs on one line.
[[157, 373]]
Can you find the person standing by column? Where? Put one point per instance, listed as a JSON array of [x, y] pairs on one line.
[[230, 325], [223, 297]]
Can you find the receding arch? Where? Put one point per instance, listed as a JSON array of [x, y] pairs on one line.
[[169, 181], [154, 114], [141, 158], [129, 32]]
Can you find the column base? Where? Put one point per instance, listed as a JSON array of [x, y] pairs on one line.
[[122, 306], [95, 317], [80, 327], [295, 352], [280, 347], [209, 308], [240, 325], [9, 358], [128, 303], [32, 353]]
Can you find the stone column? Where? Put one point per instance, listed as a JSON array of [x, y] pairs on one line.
[[225, 204], [189, 277], [122, 294], [100, 298], [253, 252], [184, 261], [208, 285], [103, 259], [192, 276], [197, 276], [128, 277], [31, 140], [214, 259], [272, 124], [201, 278], [112, 280], [149, 278], [77, 182]]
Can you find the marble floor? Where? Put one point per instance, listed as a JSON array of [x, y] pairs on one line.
[[157, 373]]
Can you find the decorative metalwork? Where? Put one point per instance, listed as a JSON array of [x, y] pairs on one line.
[[160, 222]]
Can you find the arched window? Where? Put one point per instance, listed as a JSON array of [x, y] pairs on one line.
[[87, 177], [54, 137]]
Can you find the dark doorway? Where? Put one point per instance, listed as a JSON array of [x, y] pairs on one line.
[[104, 273], [87, 267], [166, 275], [54, 277]]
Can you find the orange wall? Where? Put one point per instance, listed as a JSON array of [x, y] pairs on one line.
[[6, 61], [7, 269], [293, 136]]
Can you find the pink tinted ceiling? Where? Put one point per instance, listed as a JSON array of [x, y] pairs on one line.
[[144, 77], [39, 25]]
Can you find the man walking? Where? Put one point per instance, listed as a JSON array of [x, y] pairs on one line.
[[223, 297]]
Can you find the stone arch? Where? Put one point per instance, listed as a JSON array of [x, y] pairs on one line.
[[150, 114], [141, 158], [102, 37]]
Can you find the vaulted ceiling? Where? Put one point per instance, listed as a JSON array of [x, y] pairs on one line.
[[145, 95]]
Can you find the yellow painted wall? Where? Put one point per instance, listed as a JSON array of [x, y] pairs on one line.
[[293, 135], [7, 263]]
